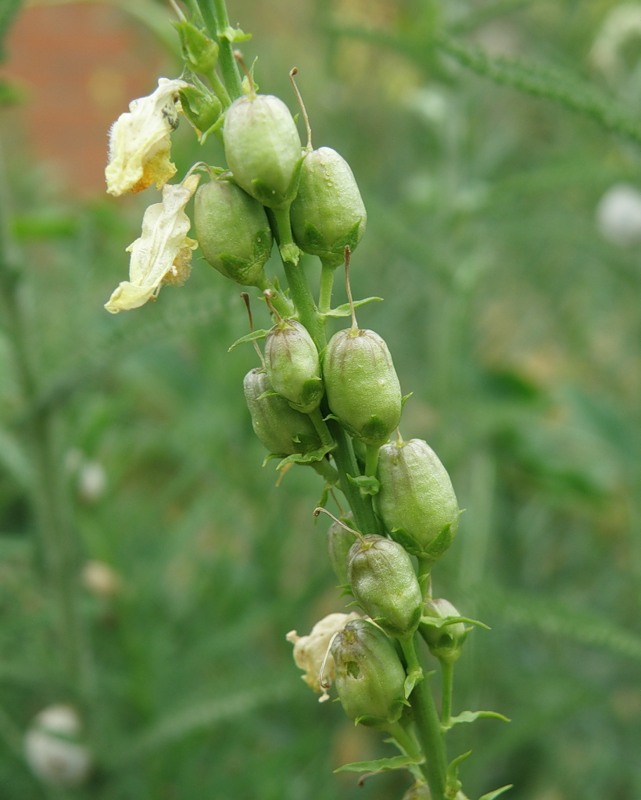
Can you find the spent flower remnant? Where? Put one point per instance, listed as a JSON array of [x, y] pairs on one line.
[[162, 255], [139, 141]]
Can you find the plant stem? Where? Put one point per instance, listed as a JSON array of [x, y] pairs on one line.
[[346, 465], [321, 427], [447, 687], [371, 459], [326, 285], [430, 736], [217, 21]]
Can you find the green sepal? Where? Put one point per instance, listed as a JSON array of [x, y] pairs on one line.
[[249, 337], [290, 253], [306, 458], [345, 310], [413, 677], [199, 51], [367, 484], [442, 622], [472, 716], [380, 765], [311, 394], [496, 792], [452, 783], [433, 551], [235, 35]]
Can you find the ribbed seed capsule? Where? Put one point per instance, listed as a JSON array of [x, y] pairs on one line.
[[416, 499], [293, 365], [369, 675], [279, 427], [384, 582], [445, 642], [233, 232], [362, 387], [328, 213], [263, 148]]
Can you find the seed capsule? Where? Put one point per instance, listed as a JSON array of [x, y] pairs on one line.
[[328, 212], [293, 365], [362, 387], [369, 675], [233, 232], [263, 148], [279, 427], [416, 499], [384, 582]]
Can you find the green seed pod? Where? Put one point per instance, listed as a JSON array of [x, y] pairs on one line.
[[328, 213], [232, 231], [199, 51], [416, 499], [445, 642], [293, 365], [263, 148], [369, 675], [339, 543], [279, 427], [362, 387], [384, 582]]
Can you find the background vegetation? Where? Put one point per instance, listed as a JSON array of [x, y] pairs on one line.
[[511, 318]]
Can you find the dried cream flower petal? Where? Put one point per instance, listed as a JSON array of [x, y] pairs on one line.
[[139, 141], [162, 254], [311, 652]]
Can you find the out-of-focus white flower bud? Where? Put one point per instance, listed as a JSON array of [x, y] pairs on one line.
[[53, 747], [100, 579], [92, 481], [618, 215]]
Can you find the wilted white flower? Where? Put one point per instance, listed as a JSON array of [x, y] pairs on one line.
[[139, 141], [162, 255], [311, 652], [53, 748], [618, 215]]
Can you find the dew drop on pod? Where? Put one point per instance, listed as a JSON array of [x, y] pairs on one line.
[[293, 365], [281, 429], [328, 213], [369, 675], [233, 232], [363, 390], [263, 148], [385, 585], [416, 500]]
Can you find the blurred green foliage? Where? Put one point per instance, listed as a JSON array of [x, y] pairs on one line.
[[512, 320]]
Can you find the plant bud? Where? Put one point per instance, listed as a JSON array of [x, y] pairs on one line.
[[385, 585], [263, 148], [369, 675], [279, 427], [233, 232], [339, 543], [416, 500], [293, 365], [362, 387], [199, 51], [201, 107], [445, 641], [328, 212]]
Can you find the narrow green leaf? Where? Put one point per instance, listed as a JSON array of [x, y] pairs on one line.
[[249, 337], [379, 765], [306, 458], [496, 792], [345, 310], [472, 716]]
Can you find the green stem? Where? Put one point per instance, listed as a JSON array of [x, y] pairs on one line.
[[371, 459], [346, 464], [430, 736], [321, 427], [326, 471], [404, 740], [216, 19], [447, 689], [326, 286], [219, 88]]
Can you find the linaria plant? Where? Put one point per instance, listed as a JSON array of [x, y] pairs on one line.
[[329, 403]]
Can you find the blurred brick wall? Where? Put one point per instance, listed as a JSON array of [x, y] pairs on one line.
[[78, 66]]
